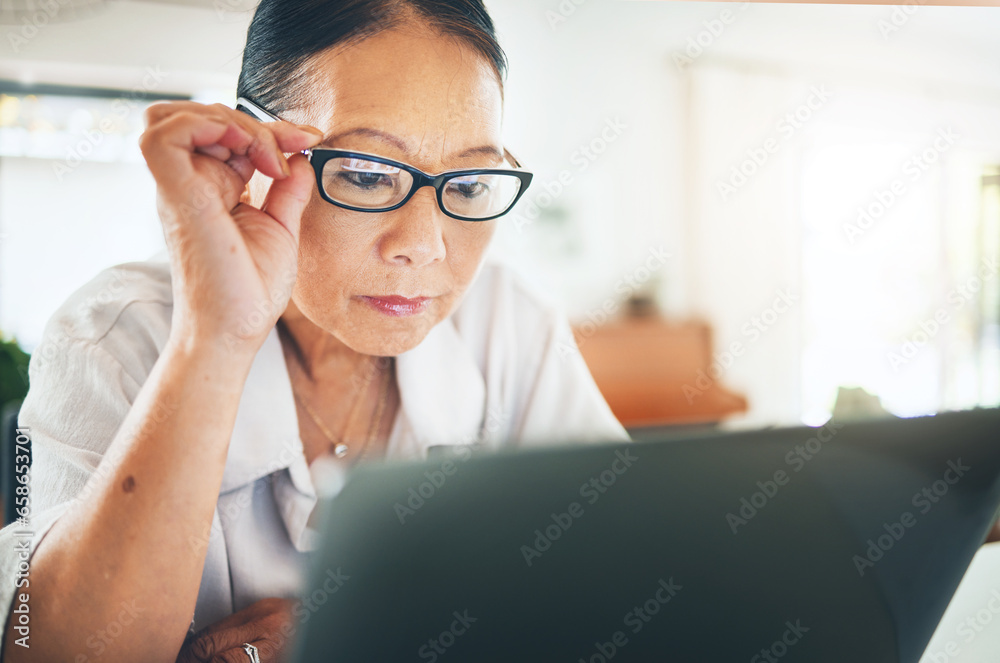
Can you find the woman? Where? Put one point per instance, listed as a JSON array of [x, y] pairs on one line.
[[335, 308]]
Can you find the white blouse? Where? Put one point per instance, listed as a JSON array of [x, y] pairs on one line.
[[502, 369]]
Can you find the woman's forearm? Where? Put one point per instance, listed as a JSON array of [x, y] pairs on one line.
[[137, 537]]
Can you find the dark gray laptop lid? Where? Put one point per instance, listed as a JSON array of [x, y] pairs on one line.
[[833, 544]]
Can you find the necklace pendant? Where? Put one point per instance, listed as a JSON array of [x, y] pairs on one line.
[[340, 450]]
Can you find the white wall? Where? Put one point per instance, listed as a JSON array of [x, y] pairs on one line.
[[59, 234]]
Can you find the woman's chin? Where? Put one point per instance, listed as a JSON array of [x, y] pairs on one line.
[[390, 340], [384, 334], [383, 348]]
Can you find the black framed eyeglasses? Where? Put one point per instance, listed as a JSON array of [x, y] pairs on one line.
[[370, 183]]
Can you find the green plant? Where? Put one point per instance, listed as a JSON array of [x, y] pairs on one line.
[[13, 371]]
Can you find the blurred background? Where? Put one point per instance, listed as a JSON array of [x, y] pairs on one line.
[[745, 209]]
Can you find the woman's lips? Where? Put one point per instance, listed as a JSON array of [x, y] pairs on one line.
[[397, 306]]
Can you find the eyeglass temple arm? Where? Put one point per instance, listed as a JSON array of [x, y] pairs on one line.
[[262, 115], [513, 160], [256, 110]]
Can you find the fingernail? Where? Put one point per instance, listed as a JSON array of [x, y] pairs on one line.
[[285, 168], [308, 129]]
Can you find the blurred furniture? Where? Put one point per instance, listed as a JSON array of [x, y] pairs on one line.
[[655, 373], [8, 476]]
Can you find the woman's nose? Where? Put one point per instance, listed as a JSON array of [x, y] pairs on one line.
[[415, 236]]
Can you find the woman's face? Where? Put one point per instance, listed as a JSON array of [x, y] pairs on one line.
[[411, 95]]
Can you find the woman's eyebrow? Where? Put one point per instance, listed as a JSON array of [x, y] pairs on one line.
[[381, 136], [487, 150], [400, 144]]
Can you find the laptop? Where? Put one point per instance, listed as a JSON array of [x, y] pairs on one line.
[[839, 543]]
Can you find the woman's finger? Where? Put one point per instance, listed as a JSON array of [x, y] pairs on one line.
[[158, 110], [257, 138], [294, 137], [269, 650], [168, 145], [242, 166], [215, 151], [255, 624], [176, 128], [224, 642], [277, 138], [179, 137], [287, 198], [291, 137], [265, 654]]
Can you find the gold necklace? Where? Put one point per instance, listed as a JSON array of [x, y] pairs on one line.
[[339, 446]]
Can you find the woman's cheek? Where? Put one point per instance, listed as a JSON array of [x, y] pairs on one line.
[[466, 253]]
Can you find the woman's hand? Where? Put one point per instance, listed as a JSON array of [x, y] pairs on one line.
[[233, 265], [266, 624]]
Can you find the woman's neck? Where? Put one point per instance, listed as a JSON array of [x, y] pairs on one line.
[[316, 350]]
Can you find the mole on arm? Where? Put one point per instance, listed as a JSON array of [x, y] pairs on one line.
[[128, 485]]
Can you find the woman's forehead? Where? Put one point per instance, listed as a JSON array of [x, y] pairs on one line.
[[407, 66], [430, 93]]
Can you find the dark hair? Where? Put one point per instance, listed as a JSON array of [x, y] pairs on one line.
[[284, 34]]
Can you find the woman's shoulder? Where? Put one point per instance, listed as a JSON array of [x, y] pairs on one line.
[[125, 309]]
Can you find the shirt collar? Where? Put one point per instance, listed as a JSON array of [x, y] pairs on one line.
[[442, 392]]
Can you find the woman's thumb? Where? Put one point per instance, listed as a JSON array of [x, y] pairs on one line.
[[287, 198]]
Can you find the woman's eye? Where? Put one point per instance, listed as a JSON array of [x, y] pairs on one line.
[[365, 174], [366, 180], [469, 189]]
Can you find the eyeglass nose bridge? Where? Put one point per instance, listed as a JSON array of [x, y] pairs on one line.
[[421, 180], [436, 182]]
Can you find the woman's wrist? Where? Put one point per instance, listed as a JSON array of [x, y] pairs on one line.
[[220, 358]]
